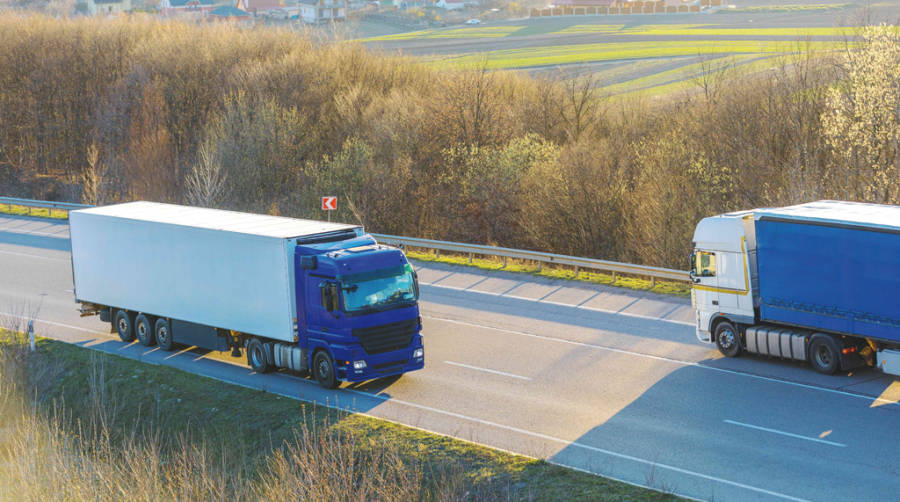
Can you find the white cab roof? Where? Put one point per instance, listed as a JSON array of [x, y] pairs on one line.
[[720, 233], [838, 212], [218, 219]]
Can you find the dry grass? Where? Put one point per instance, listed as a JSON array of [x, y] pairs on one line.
[[51, 453], [82, 425]]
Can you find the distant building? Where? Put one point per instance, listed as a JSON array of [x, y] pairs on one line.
[[318, 11], [450, 4], [583, 3], [94, 7], [257, 7], [187, 8], [228, 13]]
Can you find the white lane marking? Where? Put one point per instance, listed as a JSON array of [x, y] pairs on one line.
[[33, 256], [576, 444], [669, 359], [41, 234], [537, 300], [512, 429], [52, 323], [487, 370], [766, 429]]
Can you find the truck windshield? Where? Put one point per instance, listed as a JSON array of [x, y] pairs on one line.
[[379, 290]]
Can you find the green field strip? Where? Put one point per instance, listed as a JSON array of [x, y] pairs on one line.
[[788, 8], [593, 28], [683, 73], [479, 32], [669, 82], [708, 30], [586, 53]]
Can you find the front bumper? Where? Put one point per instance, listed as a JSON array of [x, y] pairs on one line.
[[381, 365]]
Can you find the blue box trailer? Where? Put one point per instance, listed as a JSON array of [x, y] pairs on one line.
[[818, 282], [828, 274]]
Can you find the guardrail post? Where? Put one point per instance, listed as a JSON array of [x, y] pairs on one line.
[[470, 257], [540, 266], [504, 262], [652, 282], [577, 269], [614, 278], [31, 334], [437, 254]]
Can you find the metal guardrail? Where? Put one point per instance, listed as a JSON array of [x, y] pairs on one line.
[[653, 273], [31, 203], [574, 261]]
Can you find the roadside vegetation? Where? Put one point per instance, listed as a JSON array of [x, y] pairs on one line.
[[673, 288], [103, 110], [76, 424]]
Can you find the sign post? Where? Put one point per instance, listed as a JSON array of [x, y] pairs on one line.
[[329, 203]]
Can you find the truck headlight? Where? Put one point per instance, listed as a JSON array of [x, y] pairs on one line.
[[359, 365], [420, 352]]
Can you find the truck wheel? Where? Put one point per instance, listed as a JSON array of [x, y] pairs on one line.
[[256, 356], [728, 340], [143, 328], [124, 324], [824, 355], [323, 370], [163, 333]]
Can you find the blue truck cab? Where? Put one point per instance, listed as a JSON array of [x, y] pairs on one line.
[[357, 302]]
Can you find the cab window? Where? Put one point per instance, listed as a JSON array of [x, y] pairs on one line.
[[704, 264]]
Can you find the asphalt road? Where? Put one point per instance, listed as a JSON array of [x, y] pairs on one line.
[[599, 379]]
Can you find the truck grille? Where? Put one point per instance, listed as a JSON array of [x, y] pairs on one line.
[[386, 337]]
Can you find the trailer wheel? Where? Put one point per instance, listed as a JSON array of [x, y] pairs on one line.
[[163, 333], [727, 339], [143, 328], [256, 356], [323, 370], [124, 325], [824, 355]]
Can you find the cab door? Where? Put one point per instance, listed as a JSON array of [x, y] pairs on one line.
[[706, 286]]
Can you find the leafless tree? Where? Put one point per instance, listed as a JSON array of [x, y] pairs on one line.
[[207, 182]]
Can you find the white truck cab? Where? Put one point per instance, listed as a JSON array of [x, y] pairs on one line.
[[723, 271]]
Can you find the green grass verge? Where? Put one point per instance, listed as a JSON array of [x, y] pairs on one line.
[[245, 425], [34, 211], [587, 53], [680, 289]]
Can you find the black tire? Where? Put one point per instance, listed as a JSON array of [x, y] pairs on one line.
[[162, 330], [124, 325], [728, 340], [323, 370], [824, 355], [256, 356], [143, 329]]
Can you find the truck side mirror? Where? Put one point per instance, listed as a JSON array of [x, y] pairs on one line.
[[308, 262]]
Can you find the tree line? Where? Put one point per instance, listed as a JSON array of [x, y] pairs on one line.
[[269, 120]]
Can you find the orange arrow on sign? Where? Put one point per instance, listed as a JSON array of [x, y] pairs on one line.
[[329, 203]]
